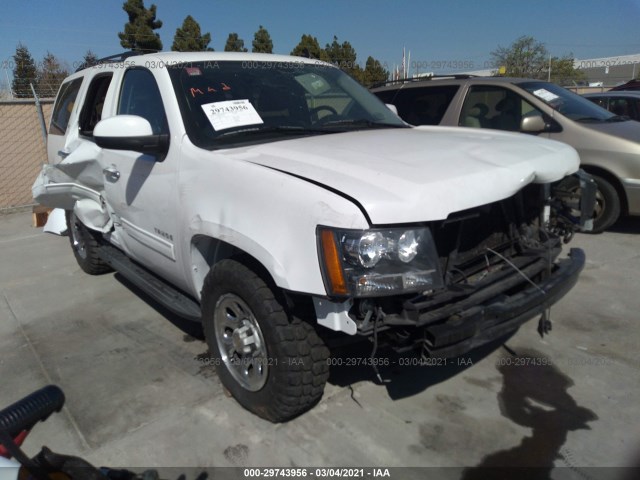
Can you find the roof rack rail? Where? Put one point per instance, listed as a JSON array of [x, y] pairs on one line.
[[456, 76], [118, 57]]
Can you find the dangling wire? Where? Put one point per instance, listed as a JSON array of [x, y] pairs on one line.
[[374, 364], [517, 270], [544, 324]]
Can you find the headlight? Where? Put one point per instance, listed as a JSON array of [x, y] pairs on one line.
[[365, 263], [408, 246], [366, 250]]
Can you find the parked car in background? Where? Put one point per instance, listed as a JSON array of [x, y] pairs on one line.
[[630, 85], [623, 103], [608, 144]]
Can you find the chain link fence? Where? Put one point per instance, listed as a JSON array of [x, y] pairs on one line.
[[22, 150]]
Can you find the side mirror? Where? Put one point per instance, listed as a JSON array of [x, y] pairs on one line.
[[392, 107], [533, 124], [130, 132]]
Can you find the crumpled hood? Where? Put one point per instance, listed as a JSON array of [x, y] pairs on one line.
[[418, 174]]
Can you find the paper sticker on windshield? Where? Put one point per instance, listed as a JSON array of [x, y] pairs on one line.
[[313, 83], [231, 113], [193, 71], [545, 95]]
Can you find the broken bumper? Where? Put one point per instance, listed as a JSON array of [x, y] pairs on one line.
[[487, 314]]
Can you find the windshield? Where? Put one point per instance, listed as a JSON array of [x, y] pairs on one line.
[[230, 103], [569, 104]]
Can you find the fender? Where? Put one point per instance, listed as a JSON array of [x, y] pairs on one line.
[[260, 211]]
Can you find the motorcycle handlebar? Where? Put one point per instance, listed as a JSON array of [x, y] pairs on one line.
[[36, 407]]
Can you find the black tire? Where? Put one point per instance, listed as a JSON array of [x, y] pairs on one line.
[[85, 246], [291, 369], [607, 209]]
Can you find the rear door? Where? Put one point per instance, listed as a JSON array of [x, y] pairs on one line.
[[74, 171]]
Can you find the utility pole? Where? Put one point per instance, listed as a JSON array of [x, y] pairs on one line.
[[43, 125], [9, 83], [549, 74]]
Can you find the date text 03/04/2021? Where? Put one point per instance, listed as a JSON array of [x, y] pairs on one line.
[[346, 362], [324, 472], [401, 361]]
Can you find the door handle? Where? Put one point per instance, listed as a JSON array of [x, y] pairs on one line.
[[111, 174], [63, 154]]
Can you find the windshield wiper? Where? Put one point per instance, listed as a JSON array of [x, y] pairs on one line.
[[618, 118], [285, 129], [363, 122], [590, 119]]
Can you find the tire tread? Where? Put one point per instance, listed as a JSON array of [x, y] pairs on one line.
[[303, 374], [93, 264]]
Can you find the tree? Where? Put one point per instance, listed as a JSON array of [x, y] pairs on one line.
[[310, 48], [527, 57], [262, 41], [138, 32], [563, 71], [234, 44], [24, 72], [374, 72], [342, 55], [50, 76], [189, 38], [89, 60]]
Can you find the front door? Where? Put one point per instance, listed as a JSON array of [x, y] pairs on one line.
[[141, 189]]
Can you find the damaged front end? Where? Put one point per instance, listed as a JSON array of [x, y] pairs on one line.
[[497, 267], [573, 208]]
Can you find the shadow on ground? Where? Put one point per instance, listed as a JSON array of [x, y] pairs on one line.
[[626, 225], [534, 395], [402, 375], [190, 328]]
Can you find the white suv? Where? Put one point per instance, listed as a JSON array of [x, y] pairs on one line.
[[265, 195]]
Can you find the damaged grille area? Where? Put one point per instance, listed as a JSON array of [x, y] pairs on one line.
[[499, 271], [508, 227]]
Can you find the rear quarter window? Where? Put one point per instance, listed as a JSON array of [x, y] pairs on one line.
[[64, 106]]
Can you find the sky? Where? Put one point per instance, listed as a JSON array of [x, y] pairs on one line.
[[443, 36]]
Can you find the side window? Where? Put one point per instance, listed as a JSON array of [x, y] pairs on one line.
[[423, 105], [602, 101], [63, 107], [635, 111], [93, 104], [495, 107], [620, 106], [140, 96]]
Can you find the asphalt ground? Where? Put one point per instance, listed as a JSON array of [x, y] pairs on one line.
[[141, 394]]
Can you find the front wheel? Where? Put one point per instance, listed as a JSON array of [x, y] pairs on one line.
[[273, 363]]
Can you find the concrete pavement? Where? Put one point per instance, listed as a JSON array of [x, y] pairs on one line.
[[139, 395]]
